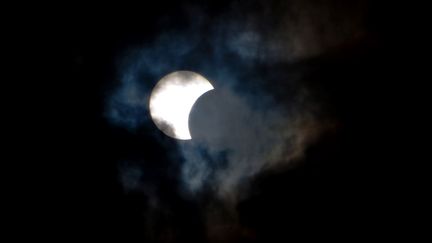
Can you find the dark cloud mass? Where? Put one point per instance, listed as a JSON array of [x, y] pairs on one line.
[[261, 116]]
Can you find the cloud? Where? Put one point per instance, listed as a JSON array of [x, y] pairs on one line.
[[256, 133], [258, 118]]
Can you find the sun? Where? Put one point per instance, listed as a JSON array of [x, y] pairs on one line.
[[172, 100]]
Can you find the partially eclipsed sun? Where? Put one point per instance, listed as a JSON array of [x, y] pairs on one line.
[[172, 100]]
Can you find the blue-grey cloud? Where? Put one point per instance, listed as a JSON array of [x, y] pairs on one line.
[[260, 117], [258, 131]]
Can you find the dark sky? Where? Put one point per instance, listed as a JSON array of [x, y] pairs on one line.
[[319, 70]]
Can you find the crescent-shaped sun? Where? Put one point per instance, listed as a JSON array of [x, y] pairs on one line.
[[172, 100]]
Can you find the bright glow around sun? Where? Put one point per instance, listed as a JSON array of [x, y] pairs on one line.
[[172, 99]]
